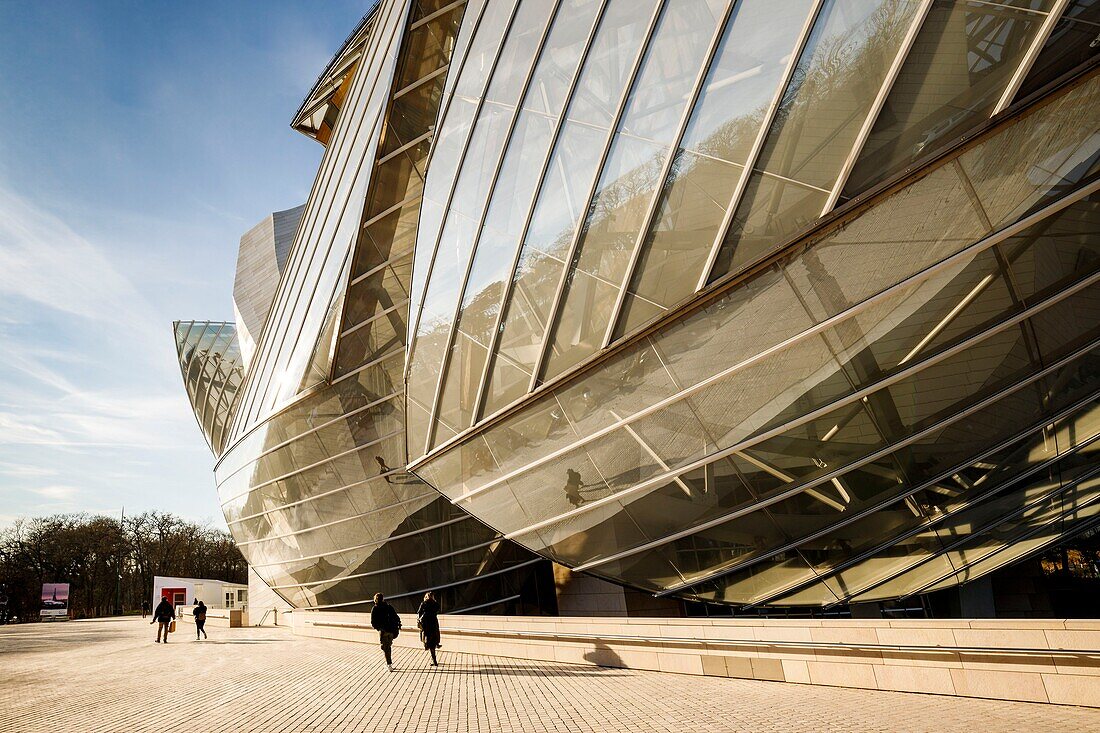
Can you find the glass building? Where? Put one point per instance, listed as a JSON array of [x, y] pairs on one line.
[[742, 302]]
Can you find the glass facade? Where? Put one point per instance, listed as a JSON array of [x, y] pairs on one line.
[[212, 368], [682, 141], [878, 408], [313, 484], [740, 301]]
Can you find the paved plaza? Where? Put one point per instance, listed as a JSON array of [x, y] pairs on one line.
[[108, 675]]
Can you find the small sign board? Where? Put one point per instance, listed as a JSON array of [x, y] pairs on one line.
[[55, 602]]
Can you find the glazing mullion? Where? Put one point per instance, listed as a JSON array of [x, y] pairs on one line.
[[928, 524], [265, 357], [758, 143], [666, 168], [506, 293], [552, 315], [446, 106], [205, 372], [302, 469], [445, 356], [331, 492], [1032, 54], [197, 366], [182, 345], [1080, 525], [320, 221], [375, 362], [295, 438], [876, 106], [441, 115], [414, 320], [414, 173], [420, 592], [225, 371], [435, 14], [961, 256], [411, 87], [372, 543], [381, 314], [404, 566], [800, 488], [988, 529]]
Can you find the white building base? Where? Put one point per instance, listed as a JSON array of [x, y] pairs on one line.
[[1055, 661]]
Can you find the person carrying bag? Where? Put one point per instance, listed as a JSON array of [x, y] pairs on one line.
[[165, 617]]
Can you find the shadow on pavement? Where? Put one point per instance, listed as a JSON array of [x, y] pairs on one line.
[[503, 670], [237, 641]]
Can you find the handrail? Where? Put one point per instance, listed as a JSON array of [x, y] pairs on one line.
[[921, 648]]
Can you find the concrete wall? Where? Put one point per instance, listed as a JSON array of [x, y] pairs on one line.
[[1056, 661]]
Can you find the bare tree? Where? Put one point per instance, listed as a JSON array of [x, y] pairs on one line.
[[92, 552]]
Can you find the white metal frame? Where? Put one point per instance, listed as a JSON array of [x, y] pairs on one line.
[[509, 285], [758, 143], [876, 106], [552, 316], [1032, 54], [445, 357], [720, 31]]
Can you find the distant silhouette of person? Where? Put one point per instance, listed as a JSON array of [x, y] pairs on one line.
[[427, 617], [145, 608], [387, 623], [200, 620], [383, 469], [163, 615]]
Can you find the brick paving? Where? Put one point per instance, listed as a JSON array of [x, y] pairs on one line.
[[108, 675]]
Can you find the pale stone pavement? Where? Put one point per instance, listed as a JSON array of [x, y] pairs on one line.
[[94, 676]]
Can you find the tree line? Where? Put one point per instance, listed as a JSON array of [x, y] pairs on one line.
[[91, 552]]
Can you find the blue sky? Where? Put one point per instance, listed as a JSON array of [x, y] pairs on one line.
[[140, 140]]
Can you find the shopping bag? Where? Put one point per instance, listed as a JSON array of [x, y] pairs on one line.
[[172, 627]]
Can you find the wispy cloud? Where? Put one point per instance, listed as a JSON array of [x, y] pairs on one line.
[[59, 401], [25, 470], [44, 261], [56, 492]]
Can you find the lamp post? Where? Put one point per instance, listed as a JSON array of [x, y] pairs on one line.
[[118, 582]]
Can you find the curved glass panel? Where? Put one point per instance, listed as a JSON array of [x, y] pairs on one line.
[[212, 368], [845, 387], [563, 197], [841, 70], [316, 494], [960, 64]]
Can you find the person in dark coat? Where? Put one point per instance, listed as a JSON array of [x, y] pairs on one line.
[[163, 614], [387, 623], [428, 618], [145, 608], [200, 620]]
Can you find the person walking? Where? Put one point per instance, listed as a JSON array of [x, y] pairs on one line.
[[427, 617], [387, 623], [200, 620], [145, 608], [164, 615]]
